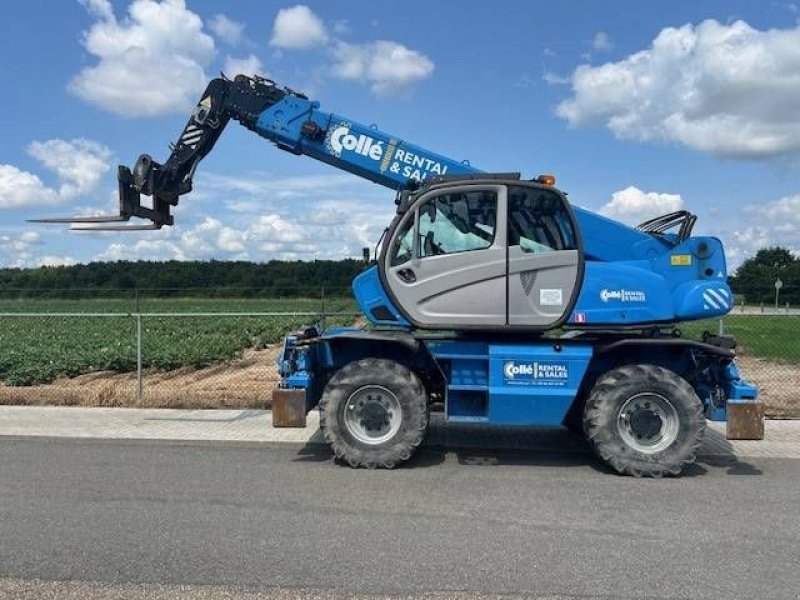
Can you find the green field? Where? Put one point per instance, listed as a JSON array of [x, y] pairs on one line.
[[41, 349], [766, 336]]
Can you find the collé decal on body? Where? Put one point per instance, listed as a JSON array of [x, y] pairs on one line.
[[535, 372]]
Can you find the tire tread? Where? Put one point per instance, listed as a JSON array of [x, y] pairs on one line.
[[393, 376], [601, 406]]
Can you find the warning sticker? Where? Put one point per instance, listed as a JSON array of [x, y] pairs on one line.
[[681, 260], [550, 297]]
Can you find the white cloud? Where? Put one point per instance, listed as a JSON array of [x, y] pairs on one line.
[[149, 64], [341, 27], [20, 188], [752, 238], [79, 165], [18, 250], [298, 28], [778, 223], [231, 240], [756, 226], [201, 241], [730, 90], [263, 187], [226, 29], [54, 261], [31, 237], [317, 216], [99, 8], [388, 67], [145, 249], [602, 42], [273, 228], [744, 243], [633, 206], [250, 65], [783, 212], [551, 78]]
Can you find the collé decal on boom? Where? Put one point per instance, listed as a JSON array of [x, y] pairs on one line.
[[342, 139]]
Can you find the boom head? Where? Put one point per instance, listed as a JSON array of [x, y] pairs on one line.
[[241, 99]]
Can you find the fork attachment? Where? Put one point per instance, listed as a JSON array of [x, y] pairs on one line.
[[242, 99]]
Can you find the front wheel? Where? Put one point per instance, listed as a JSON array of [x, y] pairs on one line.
[[644, 420], [374, 413]]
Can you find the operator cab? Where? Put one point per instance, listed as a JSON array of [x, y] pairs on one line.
[[483, 254]]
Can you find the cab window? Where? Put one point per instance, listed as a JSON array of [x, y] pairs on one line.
[[538, 221], [457, 222], [403, 247]]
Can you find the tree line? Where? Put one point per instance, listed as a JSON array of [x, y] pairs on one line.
[[753, 281], [182, 278], [755, 278]]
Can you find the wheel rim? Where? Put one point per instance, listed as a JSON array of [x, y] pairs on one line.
[[372, 415], [648, 423]]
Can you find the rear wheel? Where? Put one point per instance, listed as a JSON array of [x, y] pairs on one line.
[[374, 413], [644, 420]]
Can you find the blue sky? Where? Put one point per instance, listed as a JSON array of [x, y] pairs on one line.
[[637, 108]]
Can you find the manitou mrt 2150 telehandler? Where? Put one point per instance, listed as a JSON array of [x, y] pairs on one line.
[[473, 271]]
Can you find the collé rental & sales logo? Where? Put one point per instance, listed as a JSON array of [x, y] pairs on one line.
[[623, 295], [535, 373], [394, 156]]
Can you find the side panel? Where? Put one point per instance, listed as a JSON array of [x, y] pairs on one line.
[[373, 301], [621, 294], [464, 288], [534, 384], [458, 289], [540, 285]]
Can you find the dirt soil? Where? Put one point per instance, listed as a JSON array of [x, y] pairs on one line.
[[778, 384], [248, 381]]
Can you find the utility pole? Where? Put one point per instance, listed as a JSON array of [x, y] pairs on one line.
[[778, 286]]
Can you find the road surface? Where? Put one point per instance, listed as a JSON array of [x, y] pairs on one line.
[[145, 519]]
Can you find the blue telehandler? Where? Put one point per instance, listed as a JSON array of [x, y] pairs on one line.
[[491, 296]]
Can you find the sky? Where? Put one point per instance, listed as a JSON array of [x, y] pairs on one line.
[[637, 108]]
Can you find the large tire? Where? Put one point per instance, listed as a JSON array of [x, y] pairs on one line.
[[374, 413], [644, 420]]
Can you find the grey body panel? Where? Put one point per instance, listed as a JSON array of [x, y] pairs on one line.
[[464, 288], [540, 285], [491, 287], [468, 288]]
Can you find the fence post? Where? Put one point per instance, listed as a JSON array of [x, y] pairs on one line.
[[138, 358], [322, 321], [721, 326]]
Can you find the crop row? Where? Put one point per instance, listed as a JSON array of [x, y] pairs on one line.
[[37, 350]]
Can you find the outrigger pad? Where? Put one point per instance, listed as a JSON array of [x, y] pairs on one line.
[[288, 408], [745, 420]]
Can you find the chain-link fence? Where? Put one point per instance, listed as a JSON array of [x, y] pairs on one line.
[[768, 353], [201, 352], [154, 348]]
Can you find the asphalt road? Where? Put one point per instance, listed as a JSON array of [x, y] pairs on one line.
[[153, 516]]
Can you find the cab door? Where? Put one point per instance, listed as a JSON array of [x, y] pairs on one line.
[[544, 257], [446, 265]]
